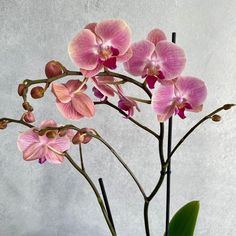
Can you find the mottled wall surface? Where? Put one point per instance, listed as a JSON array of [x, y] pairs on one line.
[[52, 200]]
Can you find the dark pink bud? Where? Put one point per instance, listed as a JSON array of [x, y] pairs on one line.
[[29, 117], [53, 68], [37, 92]]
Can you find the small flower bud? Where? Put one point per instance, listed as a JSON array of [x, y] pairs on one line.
[[63, 132], [37, 92], [216, 118], [51, 133], [81, 136], [3, 124], [28, 117], [27, 106], [228, 106], [21, 89], [53, 68]]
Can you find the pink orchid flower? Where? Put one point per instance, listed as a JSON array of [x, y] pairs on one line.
[[100, 45], [185, 93], [71, 101], [102, 88], [127, 103], [42, 148], [155, 59]]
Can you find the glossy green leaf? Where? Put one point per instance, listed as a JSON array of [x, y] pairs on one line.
[[184, 221]]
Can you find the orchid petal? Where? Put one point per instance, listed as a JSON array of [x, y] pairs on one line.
[[125, 57], [105, 89], [193, 90], [61, 144], [73, 85], [155, 36], [47, 123], [33, 152], [61, 92], [83, 104], [116, 33], [91, 26], [68, 111], [83, 50], [172, 59], [142, 51], [53, 157], [91, 73], [26, 139]]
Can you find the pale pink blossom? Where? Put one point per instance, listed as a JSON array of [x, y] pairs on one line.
[[185, 93], [100, 45], [71, 101], [156, 59], [43, 148]]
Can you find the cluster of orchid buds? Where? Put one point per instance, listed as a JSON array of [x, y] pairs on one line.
[[157, 65]]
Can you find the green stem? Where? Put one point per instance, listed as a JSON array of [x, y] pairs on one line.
[[99, 199]]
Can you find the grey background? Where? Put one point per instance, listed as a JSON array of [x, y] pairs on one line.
[[54, 200]]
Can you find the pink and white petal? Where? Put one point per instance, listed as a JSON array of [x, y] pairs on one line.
[[125, 57], [83, 50], [61, 144], [73, 85], [61, 92], [33, 152], [167, 114], [91, 73], [26, 139], [105, 89], [142, 52], [53, 157], [172, 59], [68, 111], [163, 98], [47, 123], [115, 33], [193, 90], [155, 36], [83, 104]]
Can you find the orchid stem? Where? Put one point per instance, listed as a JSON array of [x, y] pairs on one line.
[[81, 157], [105, 214]]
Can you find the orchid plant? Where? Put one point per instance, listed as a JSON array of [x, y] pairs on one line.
[[155, 66]]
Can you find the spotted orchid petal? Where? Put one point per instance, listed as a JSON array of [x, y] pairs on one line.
[[155, 36], [172, 59], [82, 50], [142, 51], [115, 33]]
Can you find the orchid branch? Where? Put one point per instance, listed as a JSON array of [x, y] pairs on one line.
[[99, 199], [106, 102]]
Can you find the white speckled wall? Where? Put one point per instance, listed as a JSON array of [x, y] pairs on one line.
[[54, 200]]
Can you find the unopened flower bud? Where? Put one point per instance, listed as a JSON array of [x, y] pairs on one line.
[[228, 106], [216, 118], [27, 106], [3, 124], [51, 133], [37, 92], [63, 132], [29, 117], [53, 68], [81, 136], [21, 89]]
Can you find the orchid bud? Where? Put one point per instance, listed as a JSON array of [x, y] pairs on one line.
[[52, 133], [3, 124], [216, 118], [53, 68], [63, 132], [228, 106], [21, 89], [37, 92], [29, 117], [81, 136], [27, 106]]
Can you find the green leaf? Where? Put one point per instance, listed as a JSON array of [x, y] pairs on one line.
[[184, 220]]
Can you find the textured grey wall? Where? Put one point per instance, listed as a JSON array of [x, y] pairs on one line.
[[53, 200]]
